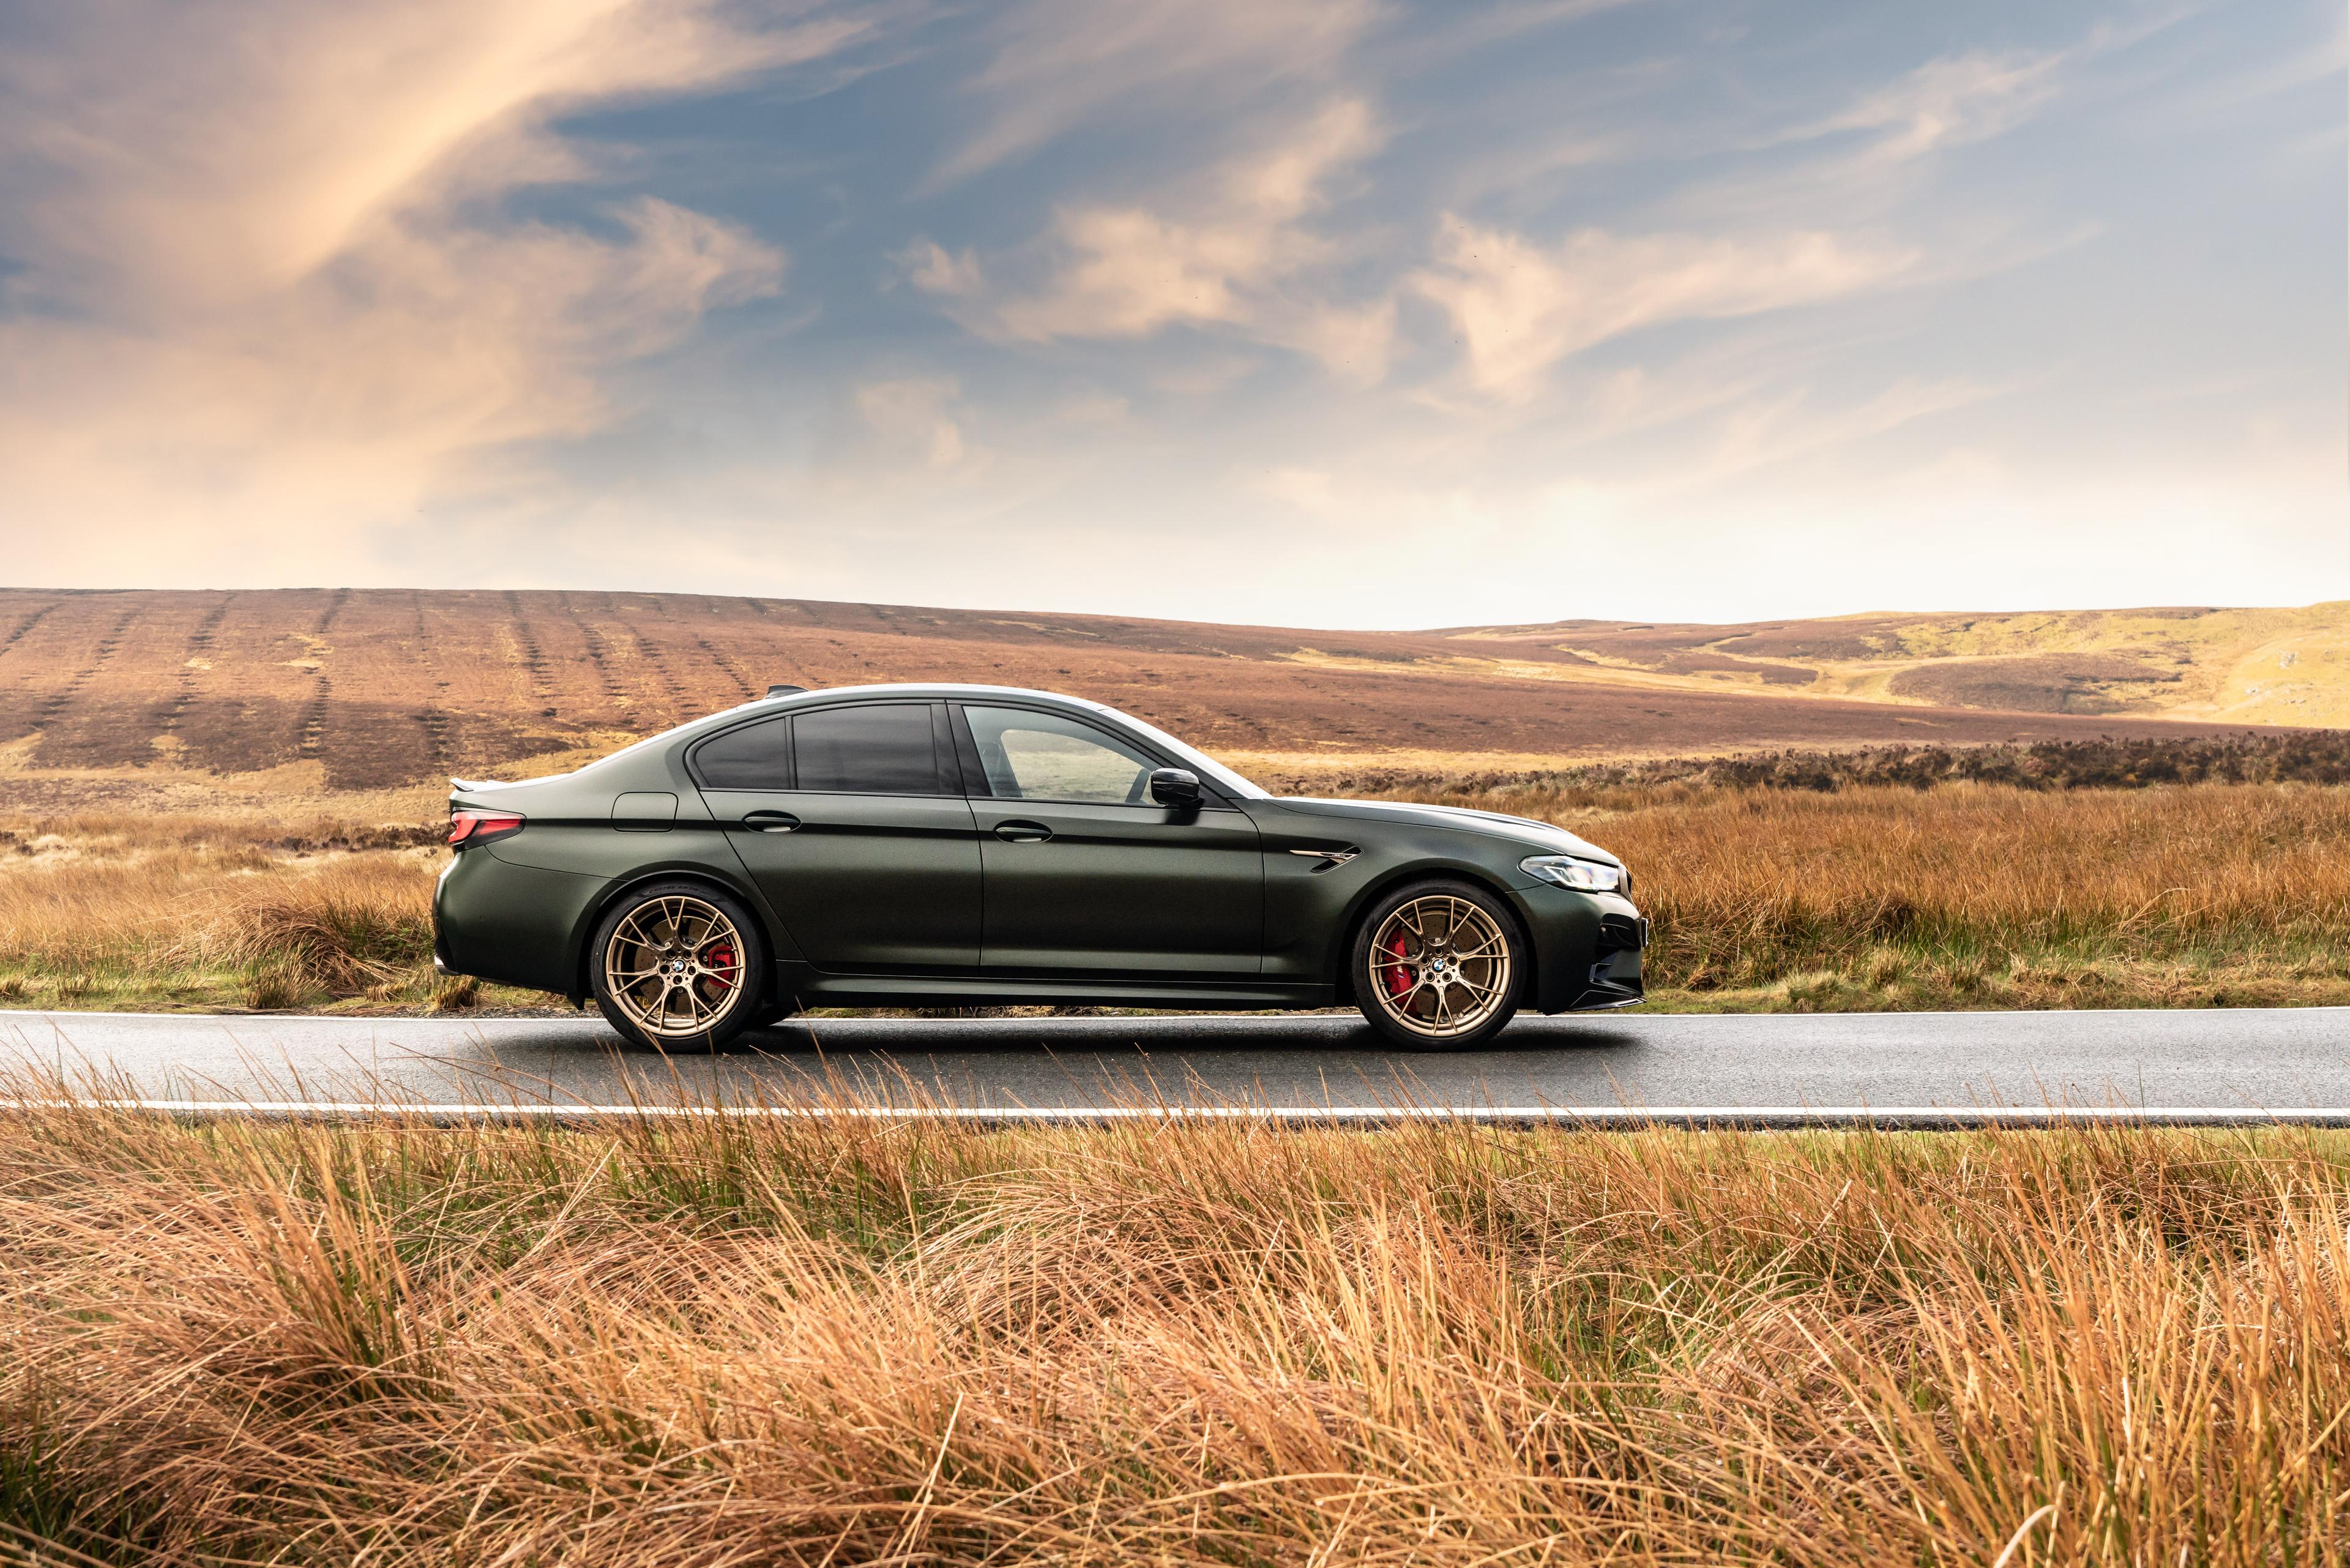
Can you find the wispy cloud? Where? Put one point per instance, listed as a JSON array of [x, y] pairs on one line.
[[264, 260], [1521, 306], [1947, 102], [302, 292], [1227, 254], [911, 423], [1060, 64]]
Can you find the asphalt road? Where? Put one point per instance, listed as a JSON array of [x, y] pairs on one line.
[[1931, 1068]]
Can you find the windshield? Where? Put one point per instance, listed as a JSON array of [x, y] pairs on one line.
[[1199, 761]]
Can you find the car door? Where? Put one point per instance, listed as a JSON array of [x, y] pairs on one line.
[[852, 822], [1086, 874]]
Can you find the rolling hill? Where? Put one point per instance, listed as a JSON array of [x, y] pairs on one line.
[[2244, 666], [371, 688]]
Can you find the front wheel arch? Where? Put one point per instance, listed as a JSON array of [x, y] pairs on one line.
[[1341, 966]]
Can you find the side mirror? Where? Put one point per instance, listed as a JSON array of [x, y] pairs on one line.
[[1177, 789]]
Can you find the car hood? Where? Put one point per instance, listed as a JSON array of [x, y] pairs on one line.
[[1540, 836]]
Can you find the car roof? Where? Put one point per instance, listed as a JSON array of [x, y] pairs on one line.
[[933, 689]]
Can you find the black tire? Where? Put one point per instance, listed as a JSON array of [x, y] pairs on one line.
[[1426, 995], [702, 1014], [772, 1011]]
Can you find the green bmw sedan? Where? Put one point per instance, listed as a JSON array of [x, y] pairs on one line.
[[979, 845]]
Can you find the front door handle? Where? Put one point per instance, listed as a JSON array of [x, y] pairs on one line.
[[1023, 832], [770, 821]]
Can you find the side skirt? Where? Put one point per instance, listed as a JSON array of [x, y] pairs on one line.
[[907, 991]]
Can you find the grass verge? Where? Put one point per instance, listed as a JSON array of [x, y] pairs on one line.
[[1968, 895], [841, 1342], [1967, 881], [225, 912]]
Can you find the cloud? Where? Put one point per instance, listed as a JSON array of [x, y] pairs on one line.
[[262, 264], [1310, 490], [1948, 102], [934, 271], [202, 153], [1520, 307], [1061, 63], [1779, 430], [1232, 255], [908, 422]]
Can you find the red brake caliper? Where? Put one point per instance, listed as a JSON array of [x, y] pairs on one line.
[[719, 958], [1398, 981]]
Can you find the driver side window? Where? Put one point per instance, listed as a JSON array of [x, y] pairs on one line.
[[1044, 757]]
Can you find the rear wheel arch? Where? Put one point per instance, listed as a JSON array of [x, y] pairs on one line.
[[583, 941]]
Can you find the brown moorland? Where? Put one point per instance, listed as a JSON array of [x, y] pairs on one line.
[[2267, 666], [365, 689]]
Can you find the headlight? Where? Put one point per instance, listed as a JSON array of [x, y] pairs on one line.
[[1582, 876]]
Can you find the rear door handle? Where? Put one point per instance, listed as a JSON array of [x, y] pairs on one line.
[[1023, 832], [770, 821]]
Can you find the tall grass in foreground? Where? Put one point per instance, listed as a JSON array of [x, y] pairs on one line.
[[842, 1342]]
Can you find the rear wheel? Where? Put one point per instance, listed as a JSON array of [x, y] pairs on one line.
[[772, 1011], [1438, 965], [677, 966]]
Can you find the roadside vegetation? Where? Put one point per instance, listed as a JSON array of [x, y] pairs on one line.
[[831, 1341], [158, 911], [2102, 874], [1978, 895]]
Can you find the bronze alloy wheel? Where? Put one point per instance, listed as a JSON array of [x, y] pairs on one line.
[[675, 967], [1439, 968]]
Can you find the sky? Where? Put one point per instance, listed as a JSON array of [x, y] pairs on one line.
[[1306, 312]]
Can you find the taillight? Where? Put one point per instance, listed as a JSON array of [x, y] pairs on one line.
[[467, 828]]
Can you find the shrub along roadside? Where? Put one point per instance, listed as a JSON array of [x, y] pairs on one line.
[[2292, 756], [165, 911]]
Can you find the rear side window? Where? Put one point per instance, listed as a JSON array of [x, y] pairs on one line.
[[884, 749], [757, 756]]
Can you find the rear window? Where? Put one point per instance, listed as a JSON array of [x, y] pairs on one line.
[[882, 749], [757, 756]]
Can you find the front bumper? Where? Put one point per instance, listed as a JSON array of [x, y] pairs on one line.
[[1588, 949]]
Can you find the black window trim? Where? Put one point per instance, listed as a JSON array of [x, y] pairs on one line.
[[1211, 798]]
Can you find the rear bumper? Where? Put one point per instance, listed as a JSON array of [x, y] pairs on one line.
[[517, 925]]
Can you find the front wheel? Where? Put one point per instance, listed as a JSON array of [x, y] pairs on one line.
[[677, 966], [1438, 965]]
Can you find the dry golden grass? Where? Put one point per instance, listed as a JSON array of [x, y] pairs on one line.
[[164, 909], [1865, 897], [834, 1343], [1978, 894]]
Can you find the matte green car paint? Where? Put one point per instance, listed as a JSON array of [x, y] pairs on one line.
[[1121, 890], [866, 884], [916, 900]]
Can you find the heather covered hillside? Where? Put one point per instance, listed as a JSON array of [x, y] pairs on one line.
[[370, 689]]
